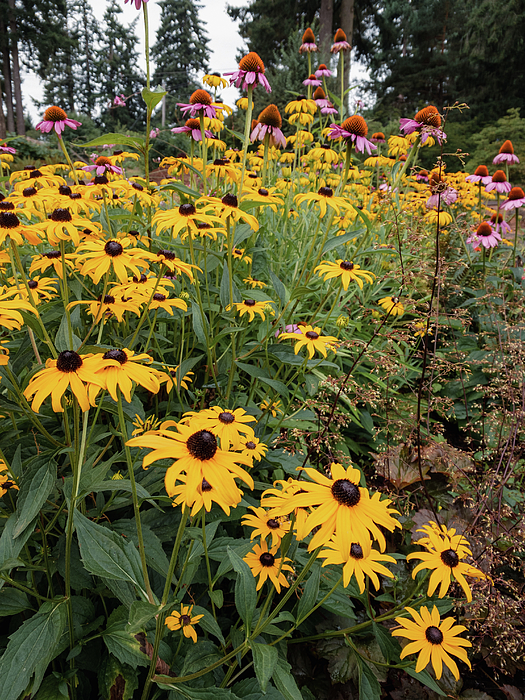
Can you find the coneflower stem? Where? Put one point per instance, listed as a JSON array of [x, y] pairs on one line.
[[516, 212], [342, 75], [64, 151], [204, 154], [247, 127], [265, 159]]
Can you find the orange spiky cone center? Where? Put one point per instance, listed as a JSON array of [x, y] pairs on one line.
[[339, 36], [322, 67], [193, 123], [499, 176], [200, 97], [516, 193], [428, 116], [308, 37], [54, 114], [484, 229], [271, 117], [355, 125], [252, 63], [102, 160], [481, 171], [319, 94], [507, 147], [378, 135]]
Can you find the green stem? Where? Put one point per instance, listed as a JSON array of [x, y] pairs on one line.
[[175, 554], [136, 507], [204, 155], [64, 151], [516, 212], [247, 127], [342, 75]]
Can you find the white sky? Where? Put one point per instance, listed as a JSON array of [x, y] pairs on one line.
[[222, 31]]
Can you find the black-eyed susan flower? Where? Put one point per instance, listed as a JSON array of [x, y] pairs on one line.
[[197, 454], [263, 196], [251, 307], [44, 176], [435, 641], [273, 407], [69, 370], [106, 307], [175, 264], [143, 426], [312, 339], [392, 306], [6, 480], [444, 554], [324, 154], [169, 377], [198, 496], [324, 197], [10, 225], [340, 506], [253, 448], [185, 218], [214, 80], [265, 525], [40, 289], [184, 621], [227, 208], [254, 282], [163, 301], [61, 225], [120, 369], [231, 426], [346, 270], [240, 254], [265, 564], [358, 561], [95, 258], [10, 316], [142, 286]]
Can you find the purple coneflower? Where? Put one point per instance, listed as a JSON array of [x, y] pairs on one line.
[[501, 226], [270, 123], [422, 176], [427, 122], [251, 72], [499, 183], [484, 235], [320, 98], [200, 101], [506, 154], [323, 72], [354, 129], [154, 133], [308, 44], [4, 148], [481, 174], [192, 127], [119, 101], [55, 118], [329, 109], [313, 81], [448, 196], [340, 42], [515, 200], [378, 137], [102, 165], [138, 3], [291, 328]]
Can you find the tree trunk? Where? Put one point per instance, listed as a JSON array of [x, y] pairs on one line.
[[6, 69], [326, 21], [347, 25], [17, 84], [3, 131]]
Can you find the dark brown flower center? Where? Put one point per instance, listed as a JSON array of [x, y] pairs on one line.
[[35, 174], [249, 302], [6, 206], [263, 192], [356, 551], [250, 445], [65, 190], [202, 445], [226, 417], [450, 558], [101, 180], [69, 361], [230, 200], [159, 297], [346, 265], [32, 284], [140, 280], [54, 114], [118, 355], [137, 186], [273, 524], [187, 210], [267, 559], [75, 195], [168, 254], [185, 620], [52, 255], [108, 299], [346, 493], [325, 191], [113, 248], [311, 335], [29, 191], [8, 220], [60, 215], [434, 635], [206, 486]]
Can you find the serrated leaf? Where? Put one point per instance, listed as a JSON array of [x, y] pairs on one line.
[[10, 547], [12, 602], [369, 688], [245, 593], [285, 682], [116, 679], [139, 614], [32, 496], [390, 647], [51, 689], [106, 554], [32, 646], [264, 661]]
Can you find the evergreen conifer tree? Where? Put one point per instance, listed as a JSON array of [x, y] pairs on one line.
[[180, 51]]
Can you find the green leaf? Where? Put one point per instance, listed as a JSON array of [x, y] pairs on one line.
[[116, 680], [180, 187], [279, 287], [245, 593], [224, 292], [425, 678], [104, 553], [32, 496], [337, 241], [369, 688], [208, 622], [62, 337], [198, 324], [31, 647], [264, 660], [121, 642], [185, 692], [10, 547], [117, 139], [52, 689], [309, 597], [152, 97], [139, 614], [242, 232], [12, 602], [390, 647], [285, 682], [217, 597]]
